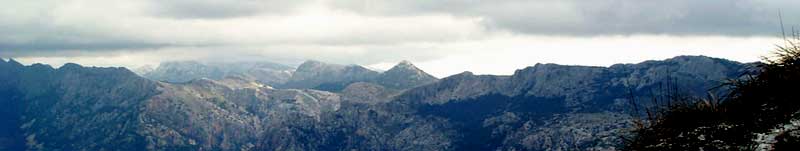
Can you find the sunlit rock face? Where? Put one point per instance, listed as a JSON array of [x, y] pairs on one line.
[[543, 107]]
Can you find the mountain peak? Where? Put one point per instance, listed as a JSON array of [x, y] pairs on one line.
[[405, 62], [70, 66], [696, 59], [312, 62], [143, 70], [405, 65], [405, 75], [312, 65], [13, 62], [465, 73]]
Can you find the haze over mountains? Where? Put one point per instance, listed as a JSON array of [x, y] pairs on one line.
[[265, 72], [321, 106], [310, 74]]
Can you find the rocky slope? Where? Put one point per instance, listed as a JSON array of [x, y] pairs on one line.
[[544, 107]]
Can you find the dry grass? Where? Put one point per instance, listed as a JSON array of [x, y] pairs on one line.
[[756, 103]]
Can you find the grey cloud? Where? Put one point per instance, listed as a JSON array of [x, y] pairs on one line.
[[216, 9], [34, 29], [52, 48], [604, 17], [45, 39]]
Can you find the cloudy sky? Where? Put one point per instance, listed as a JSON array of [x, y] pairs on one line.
[[443, 37]]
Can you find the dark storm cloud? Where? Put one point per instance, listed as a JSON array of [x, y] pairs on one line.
[[603, 17]]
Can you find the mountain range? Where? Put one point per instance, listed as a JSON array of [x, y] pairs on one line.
[[310, 74], [263, 72], [322, 106]]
